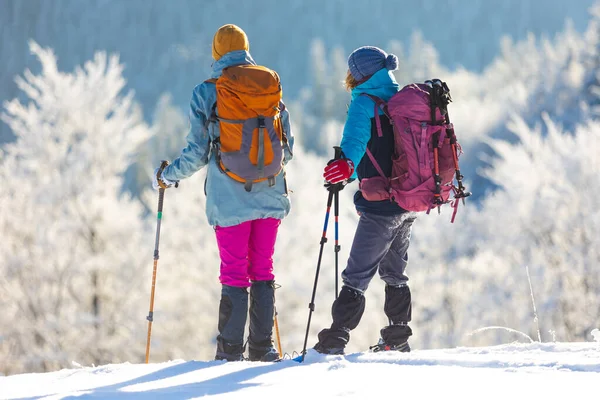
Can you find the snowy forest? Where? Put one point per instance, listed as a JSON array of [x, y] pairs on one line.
[[94, 94]]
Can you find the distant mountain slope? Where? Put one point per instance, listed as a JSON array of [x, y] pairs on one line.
[[166, 45]]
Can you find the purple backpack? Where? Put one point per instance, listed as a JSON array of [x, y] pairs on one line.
[[426, 152]]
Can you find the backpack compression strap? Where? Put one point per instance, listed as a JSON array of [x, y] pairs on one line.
[[261, 146]]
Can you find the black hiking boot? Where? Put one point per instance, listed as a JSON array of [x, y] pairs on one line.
[[265, 353], [332, 341], [322, 349], [347, 310], [398, 308], [233, 312], [262, 313], [382, 346], [229, 352]]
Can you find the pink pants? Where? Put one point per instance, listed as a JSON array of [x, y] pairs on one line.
[[246, 251]]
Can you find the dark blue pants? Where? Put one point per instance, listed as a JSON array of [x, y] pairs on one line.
[[380, 245]]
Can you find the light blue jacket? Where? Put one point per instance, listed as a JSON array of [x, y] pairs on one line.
[[357, 130], [227, 202]]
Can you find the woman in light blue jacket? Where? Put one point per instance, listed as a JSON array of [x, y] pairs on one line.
[[245, 222]]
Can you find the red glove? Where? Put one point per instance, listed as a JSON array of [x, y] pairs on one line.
[[338, 170]]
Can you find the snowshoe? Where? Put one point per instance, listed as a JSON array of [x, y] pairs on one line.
[[382, 346], [320, 348]]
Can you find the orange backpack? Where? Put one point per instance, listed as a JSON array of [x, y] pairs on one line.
[[248, 110]]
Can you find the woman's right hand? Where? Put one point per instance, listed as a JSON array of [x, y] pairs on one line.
[[339, 170]]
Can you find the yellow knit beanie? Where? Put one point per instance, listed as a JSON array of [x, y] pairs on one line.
[[229, 38]]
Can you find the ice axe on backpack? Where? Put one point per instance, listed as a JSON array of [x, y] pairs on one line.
[[440, 98]]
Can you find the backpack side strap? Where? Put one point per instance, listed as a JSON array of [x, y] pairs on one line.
[[375, 164]]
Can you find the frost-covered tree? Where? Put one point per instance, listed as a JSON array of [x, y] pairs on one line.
[[322, 102], [545, 217], [552, 224], [420, 63], [169, 127], [70, 265], [528, 78]]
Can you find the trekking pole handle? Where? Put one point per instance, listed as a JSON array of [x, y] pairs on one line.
[[337, 152], [163, 165]]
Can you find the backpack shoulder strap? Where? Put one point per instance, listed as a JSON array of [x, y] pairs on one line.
[[213, 113], [379, 104], [212, 118], [376, 99]]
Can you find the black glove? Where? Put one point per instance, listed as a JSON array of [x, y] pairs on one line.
[[337, 187]]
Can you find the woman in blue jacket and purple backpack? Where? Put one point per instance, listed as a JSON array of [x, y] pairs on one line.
[[383, 233]]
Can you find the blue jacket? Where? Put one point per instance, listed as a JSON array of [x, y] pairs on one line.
[[227, 202], [359, 130]]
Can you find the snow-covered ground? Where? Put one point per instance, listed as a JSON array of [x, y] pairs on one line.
[[514, 371]]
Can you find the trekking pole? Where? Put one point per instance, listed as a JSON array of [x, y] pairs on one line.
[[311, 305], [336, 213], [150, 317], [277, 334], [336, 249], [276, 323]]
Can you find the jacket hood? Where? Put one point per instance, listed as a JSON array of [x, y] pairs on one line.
[[238, 57], [382, 84]]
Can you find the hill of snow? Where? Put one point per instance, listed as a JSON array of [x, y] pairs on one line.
[[514, 371]]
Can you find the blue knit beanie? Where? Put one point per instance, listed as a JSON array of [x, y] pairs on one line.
[[365, 61]]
